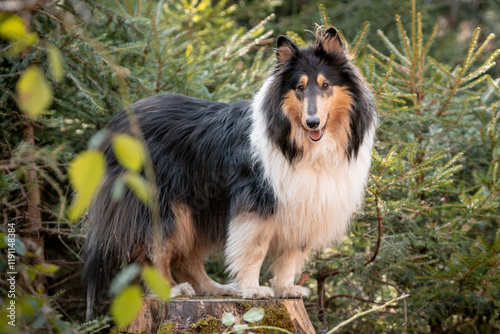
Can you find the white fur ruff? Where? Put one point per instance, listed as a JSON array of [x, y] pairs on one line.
[[318, 195]]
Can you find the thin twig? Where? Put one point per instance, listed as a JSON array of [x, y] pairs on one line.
[[49, 15], [304, 278], [379, 238], [351, 297], [406, 317], [11, 75], [68, 42], [355, 49], [70, 249], [343, 323], [139, 8], [386, 75], [158, 55], [129, 8], [52, 231], [70, 277], [390, 284]]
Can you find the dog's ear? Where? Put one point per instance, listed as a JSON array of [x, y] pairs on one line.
[[285, 49], [330, 41]]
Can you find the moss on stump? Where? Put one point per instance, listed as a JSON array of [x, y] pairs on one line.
[[204, 315]]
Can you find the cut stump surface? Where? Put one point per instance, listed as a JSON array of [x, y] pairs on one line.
[[203, 315]]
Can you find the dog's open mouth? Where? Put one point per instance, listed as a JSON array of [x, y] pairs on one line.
[[316, 135]]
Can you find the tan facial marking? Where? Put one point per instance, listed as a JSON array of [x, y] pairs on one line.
[[323, 107], [320, 80], [339, 106], [322, 102], [292, 105], [302, 82], [333, 108]]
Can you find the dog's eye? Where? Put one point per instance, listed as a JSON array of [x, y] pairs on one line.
[[300, 88], [325, 85]]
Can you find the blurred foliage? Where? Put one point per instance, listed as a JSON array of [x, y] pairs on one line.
[[430, 223], [78, 63], [429, 226], [457, 20]]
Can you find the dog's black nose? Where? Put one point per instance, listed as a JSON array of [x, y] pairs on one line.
[[313, 122]]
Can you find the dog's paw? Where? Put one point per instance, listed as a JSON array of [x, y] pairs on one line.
[[217, 289], [291, 291], [182, 290], [258, 292], [228, 290]]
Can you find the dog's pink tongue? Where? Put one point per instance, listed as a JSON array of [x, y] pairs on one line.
[[315, 135]]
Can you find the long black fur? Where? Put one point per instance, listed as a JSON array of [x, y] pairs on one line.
[[213, 174]]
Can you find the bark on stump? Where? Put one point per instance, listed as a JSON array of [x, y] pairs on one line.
[[203, 315]]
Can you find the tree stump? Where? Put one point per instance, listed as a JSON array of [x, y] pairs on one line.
[[203, 315]]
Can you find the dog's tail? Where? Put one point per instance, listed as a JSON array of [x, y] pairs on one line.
[[118, 232], [94, 280]]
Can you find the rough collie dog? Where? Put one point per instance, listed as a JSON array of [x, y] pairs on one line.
[[276, 177]]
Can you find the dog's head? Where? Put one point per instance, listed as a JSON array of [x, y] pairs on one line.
[[320, 97]]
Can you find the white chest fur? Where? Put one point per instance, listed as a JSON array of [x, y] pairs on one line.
[[318, 195], [316, 200]]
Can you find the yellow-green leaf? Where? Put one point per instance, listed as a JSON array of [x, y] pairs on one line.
[[189, 51], [139, 186], [126, 305], [85, 175], [13, 29], [129, 152], [56, 62], [3, 243], [33, 91], [26, 307], [156, 282], [47, 268]]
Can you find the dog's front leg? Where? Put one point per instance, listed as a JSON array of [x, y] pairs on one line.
[[286, 267], [247, 246]]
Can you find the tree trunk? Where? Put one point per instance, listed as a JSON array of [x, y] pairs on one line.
[[33, 214], [204, 315]]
